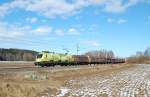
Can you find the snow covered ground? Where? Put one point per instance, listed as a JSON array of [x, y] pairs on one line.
[[132, 82], [125, 82]]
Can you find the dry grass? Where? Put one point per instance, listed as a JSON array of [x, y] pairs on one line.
[[30, 84], [138, 60]]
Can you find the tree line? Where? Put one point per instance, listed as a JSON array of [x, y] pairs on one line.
[[140, 57], [101, 53], [17, 55]]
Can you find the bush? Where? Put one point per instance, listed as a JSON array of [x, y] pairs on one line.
[[138, 59]]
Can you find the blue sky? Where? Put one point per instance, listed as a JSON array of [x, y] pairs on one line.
[[119, 25]]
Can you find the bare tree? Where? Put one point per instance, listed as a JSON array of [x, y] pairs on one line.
[[101, 53]]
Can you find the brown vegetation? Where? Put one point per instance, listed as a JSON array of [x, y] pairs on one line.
[[140, 57]]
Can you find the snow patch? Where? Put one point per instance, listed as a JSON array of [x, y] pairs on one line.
[[63, 92]]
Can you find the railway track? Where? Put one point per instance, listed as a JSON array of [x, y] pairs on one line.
[[37, 68], [23, 66]]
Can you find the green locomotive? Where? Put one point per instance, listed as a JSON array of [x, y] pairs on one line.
[[51, 59]]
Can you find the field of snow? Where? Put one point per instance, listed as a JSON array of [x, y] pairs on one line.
[[132, 82], [129, 82]]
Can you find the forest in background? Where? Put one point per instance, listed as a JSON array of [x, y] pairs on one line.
[[17, 55]]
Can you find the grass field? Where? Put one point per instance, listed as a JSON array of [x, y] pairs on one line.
[[118, 80]]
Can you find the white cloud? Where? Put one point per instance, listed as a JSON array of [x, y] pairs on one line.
[[92, 43], [11, 31], [31, 20], [110, 20], [59, 32], [73, 31], [3, 10], [42, 30], [7, 7], [16, 31], [114, 6], [51, 8], [118, 21], [118, 6], [121, 21], [14, 34], [70, 31]]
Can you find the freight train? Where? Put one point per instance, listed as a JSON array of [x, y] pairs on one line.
[[52, 59]]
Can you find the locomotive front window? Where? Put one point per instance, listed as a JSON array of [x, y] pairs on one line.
[[39, 56]]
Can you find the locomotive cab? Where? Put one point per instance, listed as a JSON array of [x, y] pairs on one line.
[[43, 58]]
